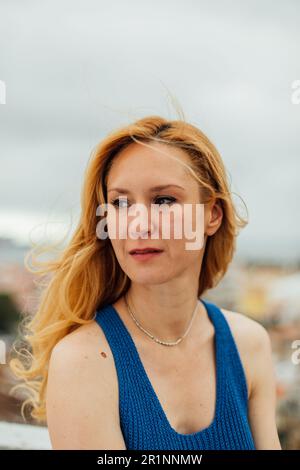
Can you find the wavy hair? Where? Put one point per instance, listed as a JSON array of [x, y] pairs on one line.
[[86, 275]]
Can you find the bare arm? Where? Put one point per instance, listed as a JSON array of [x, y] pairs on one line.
[[81, 402], [262, 400]]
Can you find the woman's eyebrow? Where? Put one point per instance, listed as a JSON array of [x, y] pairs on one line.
[[153, 189]]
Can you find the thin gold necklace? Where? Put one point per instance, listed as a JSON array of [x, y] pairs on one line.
[[165, 343]]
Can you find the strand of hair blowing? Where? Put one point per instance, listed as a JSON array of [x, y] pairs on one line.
[[86, 275]]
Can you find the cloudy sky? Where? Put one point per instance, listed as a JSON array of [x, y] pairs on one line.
[[75, 70]]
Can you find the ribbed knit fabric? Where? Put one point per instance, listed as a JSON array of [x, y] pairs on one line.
[[143, 421]]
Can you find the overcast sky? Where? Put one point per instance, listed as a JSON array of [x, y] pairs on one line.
[[75, 70]]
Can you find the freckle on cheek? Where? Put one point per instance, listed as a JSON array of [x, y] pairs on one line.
[[103, 354]]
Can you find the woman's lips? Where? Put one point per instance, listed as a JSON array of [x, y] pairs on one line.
[[146, 256]]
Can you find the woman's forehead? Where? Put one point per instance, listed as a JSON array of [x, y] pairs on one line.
[[152, 165]]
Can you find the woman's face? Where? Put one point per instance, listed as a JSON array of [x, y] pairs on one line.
[[134, 174]]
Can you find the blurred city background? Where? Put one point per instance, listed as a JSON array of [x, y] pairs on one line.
[[74, 71]]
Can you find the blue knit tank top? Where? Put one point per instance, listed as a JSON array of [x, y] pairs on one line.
[[143, 422]]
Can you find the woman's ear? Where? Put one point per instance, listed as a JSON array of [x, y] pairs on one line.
[[214, 220]]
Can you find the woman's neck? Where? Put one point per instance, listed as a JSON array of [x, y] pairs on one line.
[[164, 313]]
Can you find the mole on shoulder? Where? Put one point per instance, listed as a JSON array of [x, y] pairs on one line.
[[103, 354]]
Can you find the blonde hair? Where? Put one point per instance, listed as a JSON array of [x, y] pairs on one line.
[[86, 275]]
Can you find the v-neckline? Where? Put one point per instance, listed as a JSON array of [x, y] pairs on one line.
[[219, 368]]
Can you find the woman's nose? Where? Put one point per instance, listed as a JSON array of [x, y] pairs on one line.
[[142, 224]]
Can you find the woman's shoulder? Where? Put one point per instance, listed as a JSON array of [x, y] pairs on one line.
[[252, 340], [82, 393], [85, 346], [246, 328], [82, 360]]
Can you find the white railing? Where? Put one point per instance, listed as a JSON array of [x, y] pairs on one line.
[[23, 437]]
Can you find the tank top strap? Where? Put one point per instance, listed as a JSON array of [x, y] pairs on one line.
[[122, 350], [235, 373]]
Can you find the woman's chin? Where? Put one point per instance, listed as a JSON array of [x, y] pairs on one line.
[[148, 278]]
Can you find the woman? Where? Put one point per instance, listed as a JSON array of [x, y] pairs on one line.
[[126, 353]]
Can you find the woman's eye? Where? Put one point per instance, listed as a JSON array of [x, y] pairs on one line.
[[116, 202], [159, 201], [170, 199]]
